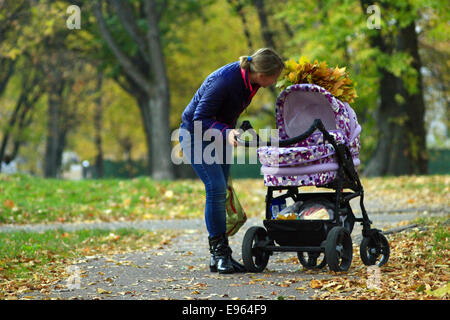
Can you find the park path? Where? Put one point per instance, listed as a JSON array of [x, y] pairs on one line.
[[378, 213], [179, 269]]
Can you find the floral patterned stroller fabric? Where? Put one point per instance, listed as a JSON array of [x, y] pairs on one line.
[[310, 162]]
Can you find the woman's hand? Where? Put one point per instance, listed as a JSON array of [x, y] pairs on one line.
[[230, 137]]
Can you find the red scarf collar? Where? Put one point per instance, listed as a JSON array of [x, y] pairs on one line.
[[247, 83]]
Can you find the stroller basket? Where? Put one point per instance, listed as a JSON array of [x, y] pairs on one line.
[[302, 233]]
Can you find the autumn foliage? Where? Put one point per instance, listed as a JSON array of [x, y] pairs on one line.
[[335, 80]]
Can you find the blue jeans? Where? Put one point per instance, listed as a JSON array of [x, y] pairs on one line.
[[215, 178]]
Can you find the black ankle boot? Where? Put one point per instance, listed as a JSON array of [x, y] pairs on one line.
[[220, 254], [212, 260], [238, 267]]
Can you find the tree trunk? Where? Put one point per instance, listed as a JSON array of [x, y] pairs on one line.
[[390, 132], [98, 125], [146, 123], [161, 146], [401, 148], [55, 86], [159, 102], [127, 147], [266, 31], [415, 104], [12, 121], [51, 149], [62, 136]]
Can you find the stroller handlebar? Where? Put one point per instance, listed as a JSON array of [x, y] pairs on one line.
[[317, 124]]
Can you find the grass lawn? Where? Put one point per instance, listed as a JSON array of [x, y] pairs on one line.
[[25, 199]]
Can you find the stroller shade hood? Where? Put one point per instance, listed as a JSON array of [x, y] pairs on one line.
[[300, 104], [311, 161]]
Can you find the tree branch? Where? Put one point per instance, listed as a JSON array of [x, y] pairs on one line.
[[238, 8], [159, 75], [124, 85], [266, 31], [9, 71], [126, 15], [125, 61], [161, 9]]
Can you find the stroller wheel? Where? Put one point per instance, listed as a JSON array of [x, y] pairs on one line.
[[312, 260], [338, 249], [374, 249], [254, 256]]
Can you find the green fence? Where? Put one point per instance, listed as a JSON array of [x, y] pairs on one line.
[[121, 169], [439, 164], [244, 171]]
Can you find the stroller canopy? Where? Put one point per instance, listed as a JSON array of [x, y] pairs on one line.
[[300, 104], [311, 161]]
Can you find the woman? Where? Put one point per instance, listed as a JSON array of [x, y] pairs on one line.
[[217, 104]]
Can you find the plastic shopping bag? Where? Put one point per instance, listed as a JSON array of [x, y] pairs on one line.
[[236, 216]]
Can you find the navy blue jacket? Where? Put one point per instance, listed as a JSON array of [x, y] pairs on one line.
[[220, 100]]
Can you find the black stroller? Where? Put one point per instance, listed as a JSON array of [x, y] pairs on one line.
[[324, 155]]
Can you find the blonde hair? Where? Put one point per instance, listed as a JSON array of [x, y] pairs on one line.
[[264, 60]]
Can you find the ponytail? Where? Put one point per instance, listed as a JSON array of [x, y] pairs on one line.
[[245, 62], [264, 60]]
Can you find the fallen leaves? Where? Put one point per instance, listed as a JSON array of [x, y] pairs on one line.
[[301, 289], [402, 193], [168, 194], [418, 269], [111, 237], [440, 292], [9, 204], [103, 291], [315, 284]]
